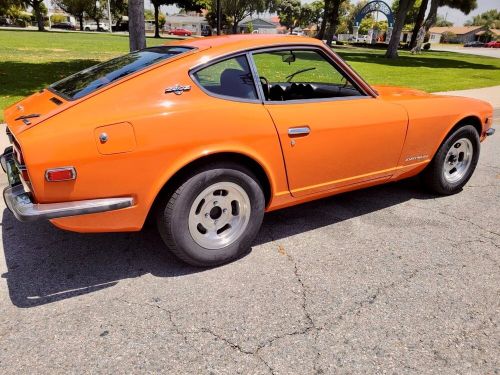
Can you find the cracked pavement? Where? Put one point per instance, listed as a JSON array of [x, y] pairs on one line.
[[383, 280]]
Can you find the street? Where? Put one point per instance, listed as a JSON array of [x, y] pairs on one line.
[[384, 280], [479, 51]]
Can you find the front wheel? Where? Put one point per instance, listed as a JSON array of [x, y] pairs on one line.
[[454, 162], [213, 217]]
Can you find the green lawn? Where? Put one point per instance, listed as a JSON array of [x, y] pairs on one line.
[[31, 60]]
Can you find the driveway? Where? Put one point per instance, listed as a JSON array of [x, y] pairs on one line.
[[479, 51], [384, 280]]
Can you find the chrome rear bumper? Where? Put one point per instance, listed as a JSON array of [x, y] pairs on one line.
[[19, 202]]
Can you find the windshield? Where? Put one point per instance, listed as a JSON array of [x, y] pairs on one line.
[[89, 80]]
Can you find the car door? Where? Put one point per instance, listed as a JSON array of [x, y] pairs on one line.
[[332, 134]]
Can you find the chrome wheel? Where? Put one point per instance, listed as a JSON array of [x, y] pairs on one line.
[[219, 215], [458, 160]]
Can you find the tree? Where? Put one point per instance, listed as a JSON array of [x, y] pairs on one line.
[[38, 8], [334, 19], [76, 8], [237, 10], [184, 4], [392, 48], [441, 22], [490, 19], [288, 13], [419, 21], [136, 27], [118, 8], [96, 11], [465, 6], [411, 16]]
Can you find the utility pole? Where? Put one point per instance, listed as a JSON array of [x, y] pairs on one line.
[[219, 15]]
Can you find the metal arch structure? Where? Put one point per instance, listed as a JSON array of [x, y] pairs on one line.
[[375, 6]]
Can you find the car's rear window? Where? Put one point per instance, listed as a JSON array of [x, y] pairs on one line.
[[89, 80]]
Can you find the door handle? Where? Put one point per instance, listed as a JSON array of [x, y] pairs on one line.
[[299, 131]]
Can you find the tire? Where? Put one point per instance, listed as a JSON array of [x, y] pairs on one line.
[[454, 162], [226, 198]]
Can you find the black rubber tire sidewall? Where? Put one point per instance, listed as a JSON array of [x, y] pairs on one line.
[[434, 177], [173, 217]]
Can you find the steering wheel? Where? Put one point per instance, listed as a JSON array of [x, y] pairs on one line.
[[265, 87]]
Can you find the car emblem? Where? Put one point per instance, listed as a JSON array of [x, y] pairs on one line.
[[19, 107], [177, 89]]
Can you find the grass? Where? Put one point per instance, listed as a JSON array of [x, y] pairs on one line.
[[31, 60]]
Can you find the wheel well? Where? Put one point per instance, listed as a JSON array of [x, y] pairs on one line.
[[205, 161], [470, 120]]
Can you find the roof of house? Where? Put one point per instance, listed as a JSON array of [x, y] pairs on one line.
[[460, 30], [257, 21], [493, 31]]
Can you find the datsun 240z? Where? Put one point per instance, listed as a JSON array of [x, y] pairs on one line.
[[206, 135]]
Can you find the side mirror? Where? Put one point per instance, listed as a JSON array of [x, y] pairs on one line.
[[290, 58]]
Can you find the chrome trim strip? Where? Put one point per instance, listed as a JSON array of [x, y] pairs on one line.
[[301, 130], [19, 203]]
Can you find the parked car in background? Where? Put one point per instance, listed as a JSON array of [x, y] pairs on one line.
[[205, 135], [475, 43], [63, 26], [5, 21], [493, 44], [121, 24], [180, 32], [92, 26]]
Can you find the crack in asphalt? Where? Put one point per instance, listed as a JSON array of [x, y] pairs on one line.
[[456, 218]]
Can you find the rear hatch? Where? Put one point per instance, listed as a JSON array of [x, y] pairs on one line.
[[33, 110]]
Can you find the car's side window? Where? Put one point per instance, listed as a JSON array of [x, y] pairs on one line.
[[301, 75], [231, 77]]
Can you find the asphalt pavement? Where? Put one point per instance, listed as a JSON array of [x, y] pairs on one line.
[[384, 280]]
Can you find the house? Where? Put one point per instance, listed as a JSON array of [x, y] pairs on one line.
[[194, 23], [463, 34], [487, 35], [259, 25]]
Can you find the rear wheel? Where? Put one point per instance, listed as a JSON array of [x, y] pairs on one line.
[[213, 216], [454, 162]]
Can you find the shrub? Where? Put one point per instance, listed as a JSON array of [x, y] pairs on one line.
[[427, 46], [58, 18]]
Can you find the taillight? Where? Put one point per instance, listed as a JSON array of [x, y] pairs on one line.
[[60, 174]]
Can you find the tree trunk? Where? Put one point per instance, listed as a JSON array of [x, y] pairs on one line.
[[235, 27], [418, 23], [38, 14], [432, 16], [80, 19], [334, 20], [136, 27], [157, 24], [326, 16], [392, 48]]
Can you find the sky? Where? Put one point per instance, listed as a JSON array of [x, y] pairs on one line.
[[453, 15]]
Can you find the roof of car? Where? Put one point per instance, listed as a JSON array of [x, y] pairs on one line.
[[246, 41]]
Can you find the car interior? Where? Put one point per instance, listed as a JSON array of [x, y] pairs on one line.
[[233, 78]]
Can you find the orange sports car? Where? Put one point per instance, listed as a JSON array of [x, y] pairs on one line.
[[206, 135]]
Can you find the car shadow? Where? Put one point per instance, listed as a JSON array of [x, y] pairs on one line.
[[45, 264]]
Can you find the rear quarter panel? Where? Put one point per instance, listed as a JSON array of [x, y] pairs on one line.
[[170, 131]]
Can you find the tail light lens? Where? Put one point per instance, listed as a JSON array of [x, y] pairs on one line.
[[60, 174]]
